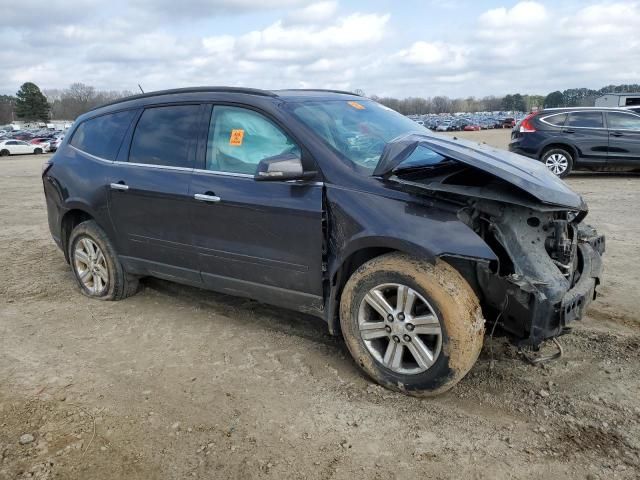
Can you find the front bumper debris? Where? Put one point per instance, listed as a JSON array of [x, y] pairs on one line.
[[542, 296]]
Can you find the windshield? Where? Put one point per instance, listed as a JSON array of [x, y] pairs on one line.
[[358, 130]]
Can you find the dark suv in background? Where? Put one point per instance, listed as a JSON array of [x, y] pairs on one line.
[[330, 204], [567, 139]]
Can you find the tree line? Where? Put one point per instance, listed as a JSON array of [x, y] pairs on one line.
[[572, 97], [442, 104], [32, 104]]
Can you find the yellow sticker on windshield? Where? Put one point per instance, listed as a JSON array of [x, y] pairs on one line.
[[356, 105], [235, 140]]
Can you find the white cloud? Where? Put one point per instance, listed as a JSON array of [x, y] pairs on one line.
[[525, 13], [314, 13], [531, 47]]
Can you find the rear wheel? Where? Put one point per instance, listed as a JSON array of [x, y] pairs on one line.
[[37, 151], [4, 153], [412, 326], [96, 266], [558, 161]]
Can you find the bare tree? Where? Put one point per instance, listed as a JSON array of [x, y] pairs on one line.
[[79, 98]]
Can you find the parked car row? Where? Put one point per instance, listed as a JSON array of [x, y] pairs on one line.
[[468, 121], [29, 141]]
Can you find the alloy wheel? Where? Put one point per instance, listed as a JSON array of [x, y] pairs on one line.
[[557, 163], [91, 266], [400, 328]]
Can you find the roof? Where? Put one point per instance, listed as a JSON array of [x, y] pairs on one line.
[[624, 94], [571, 109], [289, 93]]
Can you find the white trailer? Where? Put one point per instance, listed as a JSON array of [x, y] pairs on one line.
[[617, 100]]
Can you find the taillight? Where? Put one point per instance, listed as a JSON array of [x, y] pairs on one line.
[[526, 126]]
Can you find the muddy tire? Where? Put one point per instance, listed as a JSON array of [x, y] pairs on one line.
[[96, 266], [395, 310]]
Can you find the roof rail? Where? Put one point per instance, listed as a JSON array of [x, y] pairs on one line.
[[583, 108], [248, 91], [328, 90]]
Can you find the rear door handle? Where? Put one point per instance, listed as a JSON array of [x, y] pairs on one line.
[[568, 130], [119, 186], [206, 198]]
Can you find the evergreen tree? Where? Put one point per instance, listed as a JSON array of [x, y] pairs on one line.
[[31, 104], [554, 99], [519, 105]]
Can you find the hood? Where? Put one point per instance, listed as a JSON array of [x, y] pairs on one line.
[[524, 173]]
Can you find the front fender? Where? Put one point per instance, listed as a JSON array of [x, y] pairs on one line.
[[360, 220], [370, 224]]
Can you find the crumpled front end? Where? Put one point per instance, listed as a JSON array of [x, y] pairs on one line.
[[548, 270]]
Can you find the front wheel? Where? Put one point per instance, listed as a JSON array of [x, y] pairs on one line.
[[412, 326], [37, 151], [96, 266]]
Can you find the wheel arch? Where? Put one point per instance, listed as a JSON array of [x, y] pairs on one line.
[[362, 249], [69, 221], [561, 145], [340, 272]]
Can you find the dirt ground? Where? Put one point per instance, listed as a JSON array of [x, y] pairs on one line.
[[177, 382]]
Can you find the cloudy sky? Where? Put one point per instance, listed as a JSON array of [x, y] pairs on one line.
[[384, 47]]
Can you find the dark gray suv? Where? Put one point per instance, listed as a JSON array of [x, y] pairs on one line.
[[567, 139], [327, 203]]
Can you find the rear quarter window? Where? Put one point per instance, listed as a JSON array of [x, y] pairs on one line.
[[102, 136], [556, 120]]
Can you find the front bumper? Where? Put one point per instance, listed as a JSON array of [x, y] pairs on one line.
[[529, 315], [538, 302], [576, 300]]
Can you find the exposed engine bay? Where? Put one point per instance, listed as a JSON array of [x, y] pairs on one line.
[[547, 272], [548, 262]]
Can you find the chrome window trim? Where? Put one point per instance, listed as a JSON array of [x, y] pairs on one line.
[[181, 169], [544, 119], [223, 173], [90, 155], [156, 166], [220, 173]]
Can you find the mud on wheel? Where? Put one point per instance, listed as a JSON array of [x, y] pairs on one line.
[[410, 325]]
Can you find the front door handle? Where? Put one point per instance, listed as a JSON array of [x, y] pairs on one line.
[[206, 198], [617, 134], [568, 130], [119, 186]]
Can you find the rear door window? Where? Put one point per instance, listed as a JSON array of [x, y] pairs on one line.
[[585, 120], [623, 121], [102, 136], [166, 136]]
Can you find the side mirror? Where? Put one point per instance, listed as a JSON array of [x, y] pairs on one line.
[[281, 167]]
